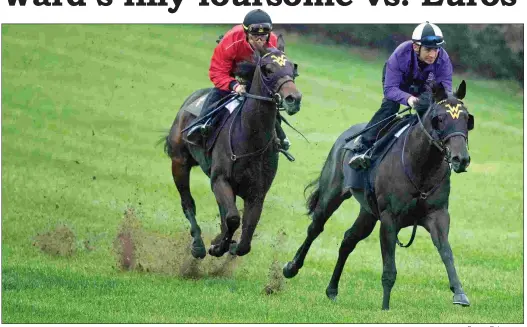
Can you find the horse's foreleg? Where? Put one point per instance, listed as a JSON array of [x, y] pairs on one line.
[[327, 204], [438, 224], [181, 175], [388, 235], [227, 202], [252, 211], [223, 225], [362, 228]]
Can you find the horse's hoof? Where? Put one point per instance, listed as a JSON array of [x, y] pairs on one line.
[[215, 250], [240, 251], [290, 270], [461, 299], [332, 293], [198, 249], [198, 252]]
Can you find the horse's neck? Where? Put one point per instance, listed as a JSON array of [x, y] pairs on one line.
[[423, 159], [258, 116]]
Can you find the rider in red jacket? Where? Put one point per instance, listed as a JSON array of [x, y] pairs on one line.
[[234, 48], [237, 45]]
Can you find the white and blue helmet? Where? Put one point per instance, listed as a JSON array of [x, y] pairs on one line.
[[428, 35]]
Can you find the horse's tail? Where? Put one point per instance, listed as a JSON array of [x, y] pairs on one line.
[[167, 148], [312, 200]]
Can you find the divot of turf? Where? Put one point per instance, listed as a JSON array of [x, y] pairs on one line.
[[60, 241], [276, 280], [138, 249]]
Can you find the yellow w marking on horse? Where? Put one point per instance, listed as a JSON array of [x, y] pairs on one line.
[[454, 111], [279, 60]]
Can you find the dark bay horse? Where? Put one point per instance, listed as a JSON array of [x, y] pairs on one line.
[[412, 186], [243, 161]]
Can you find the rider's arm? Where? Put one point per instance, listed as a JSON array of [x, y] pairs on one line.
[[222, 64], [393, 78]]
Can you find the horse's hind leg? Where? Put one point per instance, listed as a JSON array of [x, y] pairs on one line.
[[362, 228], [227, 203], [181, 175], [328, 202], [437, 223]]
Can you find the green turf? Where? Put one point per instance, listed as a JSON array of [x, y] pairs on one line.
[[82, 109]]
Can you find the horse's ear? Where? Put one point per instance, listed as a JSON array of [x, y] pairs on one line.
[[461, 90], [439, 92], [295, 70], [281, 43]]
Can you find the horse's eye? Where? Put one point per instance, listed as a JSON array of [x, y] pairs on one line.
[[268, 69]]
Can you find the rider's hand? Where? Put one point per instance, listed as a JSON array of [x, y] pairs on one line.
[[240, 89], [413, 101]]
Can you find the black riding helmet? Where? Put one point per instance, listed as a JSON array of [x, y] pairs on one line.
[[257, 22]]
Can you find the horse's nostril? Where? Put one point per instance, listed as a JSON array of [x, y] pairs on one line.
[[290, 99], [461, 161]]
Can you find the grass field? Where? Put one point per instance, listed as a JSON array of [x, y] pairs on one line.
[[82, 109]]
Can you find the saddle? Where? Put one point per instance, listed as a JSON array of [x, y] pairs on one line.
[[219, 117], [364, 178]]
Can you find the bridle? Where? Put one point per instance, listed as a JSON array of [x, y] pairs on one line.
[[438, 141], [278, 80], [273, 96]]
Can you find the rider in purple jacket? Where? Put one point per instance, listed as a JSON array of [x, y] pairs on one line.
[[412, 66]]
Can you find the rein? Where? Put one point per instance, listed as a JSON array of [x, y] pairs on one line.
[[422, 195], [258, 97]]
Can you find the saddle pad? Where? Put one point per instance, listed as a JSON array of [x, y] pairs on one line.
[[364, 178], [195, 106], [221, 119]]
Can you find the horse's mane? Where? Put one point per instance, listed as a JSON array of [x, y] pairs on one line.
[[431, 95], [245, 69], [425, 100]]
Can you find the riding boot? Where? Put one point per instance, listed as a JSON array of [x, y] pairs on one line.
[[362, 145], [283, 142], [361, 157]]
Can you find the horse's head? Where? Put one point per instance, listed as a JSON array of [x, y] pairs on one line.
[[277, 74], [451, 121]]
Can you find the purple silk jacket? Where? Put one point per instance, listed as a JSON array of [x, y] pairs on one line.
[[396, 78]]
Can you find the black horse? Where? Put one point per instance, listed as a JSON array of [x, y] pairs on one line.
[[243, 161], [411, 187]]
